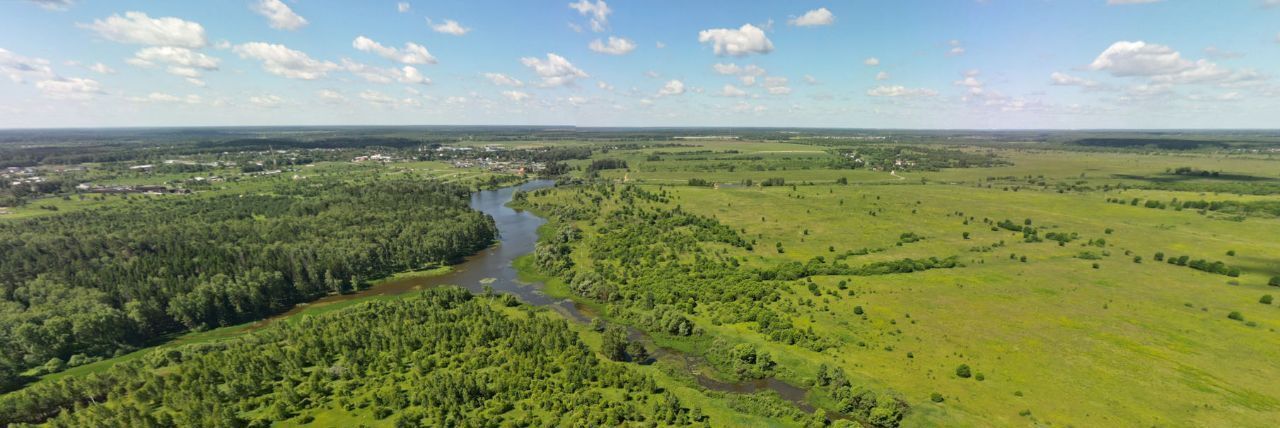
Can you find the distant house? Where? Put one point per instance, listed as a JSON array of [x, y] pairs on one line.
[[147, 167]]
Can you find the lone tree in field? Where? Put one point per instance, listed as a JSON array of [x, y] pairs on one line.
[[963, 371], [1274, 282]]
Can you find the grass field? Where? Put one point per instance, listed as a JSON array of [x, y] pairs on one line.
[[1079, 334]]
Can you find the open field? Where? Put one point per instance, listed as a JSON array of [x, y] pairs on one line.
[[1044, 323]]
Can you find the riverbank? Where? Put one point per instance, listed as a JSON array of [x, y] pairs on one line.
[[684, 360]]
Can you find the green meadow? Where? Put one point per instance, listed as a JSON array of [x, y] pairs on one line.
[[1097, 330]]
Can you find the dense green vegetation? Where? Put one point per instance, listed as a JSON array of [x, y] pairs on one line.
[[840, 277], [92, 283], [441, 358]]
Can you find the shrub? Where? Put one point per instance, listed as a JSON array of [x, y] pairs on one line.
[[1266, 299], [857, 310], [1159, 257], [936, 398], [1235, 315], [963, 372], [1274, 282]]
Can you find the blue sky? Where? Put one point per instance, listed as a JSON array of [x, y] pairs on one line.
[[853, 64]]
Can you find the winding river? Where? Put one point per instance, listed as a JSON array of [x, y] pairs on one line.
[[492, 267]]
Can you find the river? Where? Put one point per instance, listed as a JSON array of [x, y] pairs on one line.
[[492, 267]]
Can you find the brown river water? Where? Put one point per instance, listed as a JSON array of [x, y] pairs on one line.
[[518, 233]]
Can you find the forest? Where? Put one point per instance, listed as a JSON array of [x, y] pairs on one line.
[[440, 358], [94, 283]]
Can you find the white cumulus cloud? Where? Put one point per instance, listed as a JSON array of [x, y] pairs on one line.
[[449, 27], [279, 15], [282, 61], [743, 41], [412, 53], [403, 7], [673, 87], [554, 71], [138, 28], [181, 62], [598, 13], [614, 46], [817, 17], [407, 74]]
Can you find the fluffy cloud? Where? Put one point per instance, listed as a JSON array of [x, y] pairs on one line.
[[449, 26], [971, 82], [900, 91], [872, 61], [555, 70], [503, 80], [1165, 66], [181, 57], [412, 53], [138, 28], [407, 74], [403, 7], [615, 46], [282, 61], [1140, 59], [957, 48], [181, 62], [673, 87], [597, 12], [72, 88], [732, 91], [279, 15], [817, 17], [516, 96], [743, 41], [1062, 79], [266, 101]]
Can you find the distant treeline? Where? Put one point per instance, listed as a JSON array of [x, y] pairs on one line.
[[1159, 143]]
